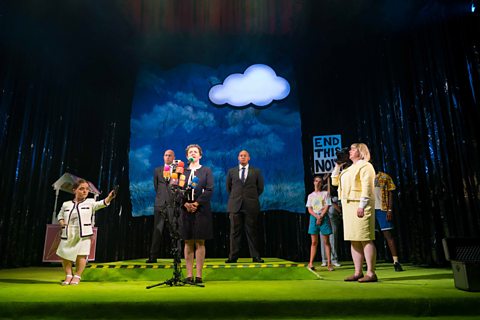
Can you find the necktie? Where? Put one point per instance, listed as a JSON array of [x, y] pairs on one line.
[[243, 175]]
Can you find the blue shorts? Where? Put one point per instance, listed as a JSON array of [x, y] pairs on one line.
[[325, 228], [381, 217]]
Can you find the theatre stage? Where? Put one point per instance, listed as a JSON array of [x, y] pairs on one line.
[[275, 289]]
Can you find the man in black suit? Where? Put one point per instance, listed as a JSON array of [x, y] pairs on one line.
[[161, 209], [245, 185]]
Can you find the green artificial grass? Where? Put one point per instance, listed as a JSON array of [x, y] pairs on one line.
[[416, 292], [214, 270]]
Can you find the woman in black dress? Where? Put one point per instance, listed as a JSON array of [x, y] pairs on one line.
[[196, 216]]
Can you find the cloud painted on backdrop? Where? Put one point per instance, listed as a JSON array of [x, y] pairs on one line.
[[189, 99], [139, 160], [164, 119], [261, 122], [258, 85]]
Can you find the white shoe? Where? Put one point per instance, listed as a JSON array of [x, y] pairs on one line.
[[324, 264], [76, 280], [336, 264]]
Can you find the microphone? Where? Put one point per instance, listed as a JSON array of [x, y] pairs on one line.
[[190, 160], [194, 182], [174, 179], [166, 172], [180, 167], [181, 181]]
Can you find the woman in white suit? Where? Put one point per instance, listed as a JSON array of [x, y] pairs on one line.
[[356, 191], [76, 219]]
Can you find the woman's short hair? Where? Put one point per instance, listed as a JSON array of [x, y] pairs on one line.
[[363, 150], [190, 146]]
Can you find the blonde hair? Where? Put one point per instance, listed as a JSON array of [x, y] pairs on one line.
[[363, 150]]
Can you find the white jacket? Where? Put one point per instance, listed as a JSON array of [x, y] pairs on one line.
[[86, 211]]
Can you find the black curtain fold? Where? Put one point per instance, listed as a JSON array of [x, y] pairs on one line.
[[423, 132]]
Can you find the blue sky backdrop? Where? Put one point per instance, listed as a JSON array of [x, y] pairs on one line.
[[171, 110]]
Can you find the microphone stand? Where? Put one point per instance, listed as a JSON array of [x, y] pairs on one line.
[[175, 204]]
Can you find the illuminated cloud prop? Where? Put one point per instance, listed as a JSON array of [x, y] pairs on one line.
[[258, 85]]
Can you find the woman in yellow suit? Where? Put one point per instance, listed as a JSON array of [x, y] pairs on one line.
[[356, 190]]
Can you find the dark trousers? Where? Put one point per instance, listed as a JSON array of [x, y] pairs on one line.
[[238, 222], [160, 222]]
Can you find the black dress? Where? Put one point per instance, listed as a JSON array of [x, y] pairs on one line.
[[198, 225]]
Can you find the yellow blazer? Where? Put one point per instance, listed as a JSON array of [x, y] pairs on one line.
[[358, 183]]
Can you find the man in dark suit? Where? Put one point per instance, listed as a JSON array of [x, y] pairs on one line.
[[245, 185], [161, 209]]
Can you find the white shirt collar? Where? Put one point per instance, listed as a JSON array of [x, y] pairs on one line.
[[194, 168], [240, 166]]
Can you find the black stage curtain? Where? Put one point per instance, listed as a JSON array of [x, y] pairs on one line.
[[407, 87]]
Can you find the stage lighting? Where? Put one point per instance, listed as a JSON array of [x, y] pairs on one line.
[[473, 7]]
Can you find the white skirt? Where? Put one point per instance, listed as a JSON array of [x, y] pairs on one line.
[[74, 246]]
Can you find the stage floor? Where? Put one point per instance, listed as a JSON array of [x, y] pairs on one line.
[[417, 292], [214, 270]]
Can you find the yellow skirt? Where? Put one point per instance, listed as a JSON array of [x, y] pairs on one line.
[[355, 228], [74, 246]]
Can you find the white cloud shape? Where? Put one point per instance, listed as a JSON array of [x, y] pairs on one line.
[[259, 85]]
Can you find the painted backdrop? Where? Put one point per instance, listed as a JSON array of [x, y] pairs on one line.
[[171, 110]]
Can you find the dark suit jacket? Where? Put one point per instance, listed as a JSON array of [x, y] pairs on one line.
[[162, 193], [244, 194], [200, 224], [204, 188]]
